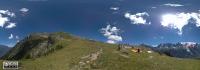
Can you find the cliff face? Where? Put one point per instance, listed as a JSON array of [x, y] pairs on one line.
[[38, 44]]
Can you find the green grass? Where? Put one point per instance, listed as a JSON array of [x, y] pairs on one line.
[[70, 55]]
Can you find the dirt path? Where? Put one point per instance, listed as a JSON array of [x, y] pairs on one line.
[[87, 60]]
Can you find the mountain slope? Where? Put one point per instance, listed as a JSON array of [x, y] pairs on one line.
[[36, 45], [3, 50], [83, 54]]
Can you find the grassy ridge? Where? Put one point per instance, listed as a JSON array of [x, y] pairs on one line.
[[75, 52]]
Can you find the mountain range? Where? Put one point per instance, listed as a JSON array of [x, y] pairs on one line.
[[180, 50]]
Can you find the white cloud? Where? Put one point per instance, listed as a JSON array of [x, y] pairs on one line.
[[7, 12], [114, 8], [24, 10], [112, 34], [179, 20], [11, 36], [3, 20], [173, 5], [5, 16], [14, 37], [11, 25], [138, 18], [17, 37], [111, 42], [115, 38], [153, 7]]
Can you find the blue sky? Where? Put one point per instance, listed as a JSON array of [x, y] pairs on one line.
[[113, 21]]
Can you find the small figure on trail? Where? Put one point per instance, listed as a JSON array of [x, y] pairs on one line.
[[120, 47], [138, 50]]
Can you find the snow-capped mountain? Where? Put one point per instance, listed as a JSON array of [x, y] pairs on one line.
[[182, 49]]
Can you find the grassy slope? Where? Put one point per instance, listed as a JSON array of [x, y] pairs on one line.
[[69, 57]]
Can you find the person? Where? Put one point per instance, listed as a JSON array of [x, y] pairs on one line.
[[138, 50], [119, 47]]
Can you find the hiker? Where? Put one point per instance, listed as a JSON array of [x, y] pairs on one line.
[[119, 48], [138, 50]]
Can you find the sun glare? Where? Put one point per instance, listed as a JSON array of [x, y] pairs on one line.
[[168, 19], [176, 21]]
